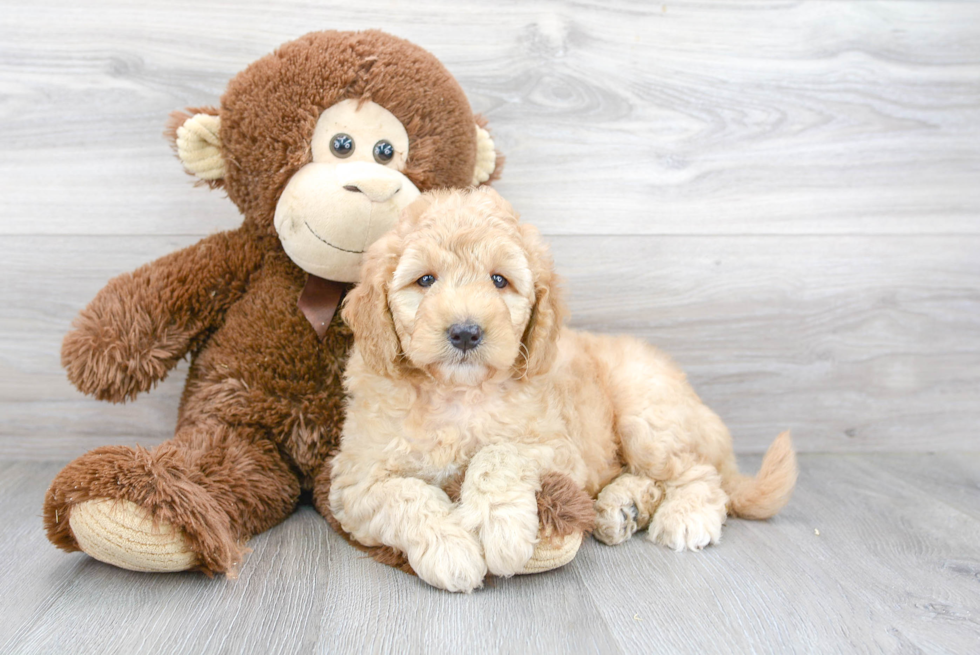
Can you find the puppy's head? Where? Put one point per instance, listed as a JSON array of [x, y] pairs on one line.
[[459, 290]]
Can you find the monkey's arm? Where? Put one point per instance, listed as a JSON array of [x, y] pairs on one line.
[[142, 323]]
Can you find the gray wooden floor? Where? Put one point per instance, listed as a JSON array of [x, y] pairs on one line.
[[895, 568]]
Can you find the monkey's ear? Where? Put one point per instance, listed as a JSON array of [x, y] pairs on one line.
[[489, 162], [196, 137]]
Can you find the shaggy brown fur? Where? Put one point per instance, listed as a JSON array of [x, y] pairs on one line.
[[263, 402], [563, 507]]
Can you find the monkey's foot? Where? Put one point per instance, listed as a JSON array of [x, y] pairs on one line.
[[552, 553], [122, 533]]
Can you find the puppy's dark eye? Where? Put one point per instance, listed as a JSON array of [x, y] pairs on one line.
[[341, 145], [426, 281], [499, 281], [383, 152]]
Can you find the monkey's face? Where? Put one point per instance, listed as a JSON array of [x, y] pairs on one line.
[[311, 142], [352, 192]]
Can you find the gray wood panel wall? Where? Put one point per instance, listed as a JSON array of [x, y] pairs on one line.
[[784, 195]]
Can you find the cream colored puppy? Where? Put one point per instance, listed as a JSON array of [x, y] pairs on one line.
[[461, 363]]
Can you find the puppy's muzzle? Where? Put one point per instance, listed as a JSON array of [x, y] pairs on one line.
[[465, 336]]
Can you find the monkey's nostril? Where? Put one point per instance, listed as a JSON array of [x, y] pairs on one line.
[[465, 336], [351, 187]]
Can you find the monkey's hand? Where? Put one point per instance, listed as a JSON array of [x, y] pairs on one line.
[[142, 323]]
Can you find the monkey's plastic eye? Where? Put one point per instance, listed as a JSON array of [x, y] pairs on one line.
[[426, 281], [341, 145], [499, 281], [383, 152]]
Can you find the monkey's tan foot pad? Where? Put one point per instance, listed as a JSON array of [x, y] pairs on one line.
[[123, 534], [552, 553]]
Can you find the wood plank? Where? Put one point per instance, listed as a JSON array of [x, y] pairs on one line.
[[32, 576], [616, 117], [879, 577], [954, 479], [893, 569], [857, 343]]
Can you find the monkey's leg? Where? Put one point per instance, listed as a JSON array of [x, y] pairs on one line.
[[189, 503]]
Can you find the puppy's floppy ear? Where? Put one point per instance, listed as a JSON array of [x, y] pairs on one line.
[[548, 314], [366, 308]]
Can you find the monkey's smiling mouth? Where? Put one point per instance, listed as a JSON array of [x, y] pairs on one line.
[[354, 252]]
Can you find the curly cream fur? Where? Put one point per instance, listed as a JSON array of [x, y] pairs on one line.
[[612, 413]]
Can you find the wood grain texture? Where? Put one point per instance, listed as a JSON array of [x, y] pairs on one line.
[[894, 569], [783, 195], [856, 343], [616, 117]]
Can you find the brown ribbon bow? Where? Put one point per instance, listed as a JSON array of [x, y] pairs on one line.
[[318, 302]]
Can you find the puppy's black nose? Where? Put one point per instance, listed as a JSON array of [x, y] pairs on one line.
[[465, 336]]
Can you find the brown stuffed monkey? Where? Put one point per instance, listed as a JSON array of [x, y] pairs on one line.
[[320, 145]]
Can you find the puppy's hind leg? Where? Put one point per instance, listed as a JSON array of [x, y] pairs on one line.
[[693, 508], [624, 506]]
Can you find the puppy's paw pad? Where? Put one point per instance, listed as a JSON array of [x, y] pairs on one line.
[[451, 562], [615, 524]]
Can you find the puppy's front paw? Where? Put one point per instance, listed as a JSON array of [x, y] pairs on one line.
[[681, 524], [498, 502], [509, 535], [450, 560]]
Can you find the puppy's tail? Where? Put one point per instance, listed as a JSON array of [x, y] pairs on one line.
[[769, 491]]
